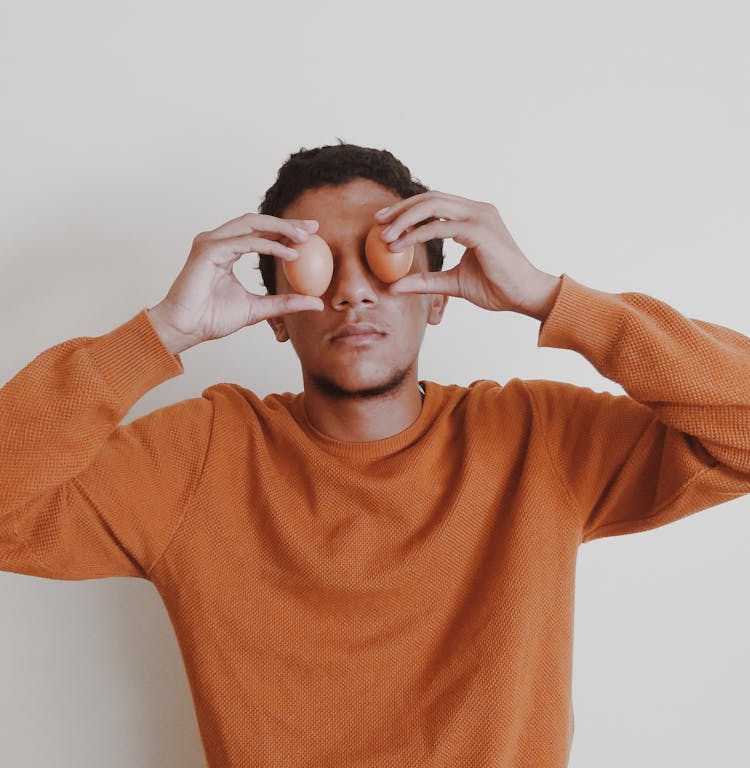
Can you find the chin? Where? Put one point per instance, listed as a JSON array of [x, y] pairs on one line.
[[353, 380], [352, 383]]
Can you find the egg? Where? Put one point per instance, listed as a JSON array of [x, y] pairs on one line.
[[311, 272], [386, 264]]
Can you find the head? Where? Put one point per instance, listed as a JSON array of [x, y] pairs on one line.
[[342, 186]]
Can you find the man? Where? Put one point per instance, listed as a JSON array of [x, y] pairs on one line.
[[377, 570]]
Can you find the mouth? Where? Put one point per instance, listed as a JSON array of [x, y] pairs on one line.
[[357, 339]]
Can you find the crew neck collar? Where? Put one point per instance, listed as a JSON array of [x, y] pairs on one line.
[[372, 449]]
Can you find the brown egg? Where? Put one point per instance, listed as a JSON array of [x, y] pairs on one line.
[[311, 272], [388, 265]]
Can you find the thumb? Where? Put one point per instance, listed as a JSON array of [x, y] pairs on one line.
[[273, 305], [428, 282]]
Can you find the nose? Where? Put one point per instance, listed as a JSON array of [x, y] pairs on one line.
[[352, 283]]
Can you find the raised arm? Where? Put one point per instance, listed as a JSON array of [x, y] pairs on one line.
[[80, 495], [678, 442]]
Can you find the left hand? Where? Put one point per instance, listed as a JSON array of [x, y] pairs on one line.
[[493, 273]]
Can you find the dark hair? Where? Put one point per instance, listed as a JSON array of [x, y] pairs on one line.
[[334, 165]]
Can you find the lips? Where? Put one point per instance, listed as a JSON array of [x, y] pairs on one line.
[[356, 329]]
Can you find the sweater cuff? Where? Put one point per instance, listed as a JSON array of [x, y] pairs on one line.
[[133, 359], [583, 319]]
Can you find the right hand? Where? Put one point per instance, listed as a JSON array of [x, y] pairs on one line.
[[207, 301]]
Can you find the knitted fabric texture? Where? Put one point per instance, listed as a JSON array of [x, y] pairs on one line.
[[401, 603]]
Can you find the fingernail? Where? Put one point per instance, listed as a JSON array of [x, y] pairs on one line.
[[382, 211], [310, 222]]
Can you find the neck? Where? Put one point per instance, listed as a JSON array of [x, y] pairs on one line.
[[365, 418]]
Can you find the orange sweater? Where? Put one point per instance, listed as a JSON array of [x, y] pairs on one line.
[[401, 603]]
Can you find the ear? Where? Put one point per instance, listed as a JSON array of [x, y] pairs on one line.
[[436, 308], [278, 328]]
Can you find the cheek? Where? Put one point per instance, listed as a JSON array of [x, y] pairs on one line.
[[414, 311]]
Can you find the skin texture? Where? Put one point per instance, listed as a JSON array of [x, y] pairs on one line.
[[352, 393]]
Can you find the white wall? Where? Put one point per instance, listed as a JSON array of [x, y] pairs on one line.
[[613, 140]]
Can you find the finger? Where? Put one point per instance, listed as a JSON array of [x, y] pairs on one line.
[[300, 231], [387, 214], [431, 231], [428, 282], [274, 305], [432, 208], [265, 223], [228, 250]]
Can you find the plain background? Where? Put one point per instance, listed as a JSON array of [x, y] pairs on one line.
[[611, 137]]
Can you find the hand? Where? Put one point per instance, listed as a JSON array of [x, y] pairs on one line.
[[493, 273], [207, 301]]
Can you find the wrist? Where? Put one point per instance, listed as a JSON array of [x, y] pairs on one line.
[[173, 339], [542, 296]]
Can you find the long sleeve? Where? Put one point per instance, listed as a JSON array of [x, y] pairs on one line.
[[80, 496], [678, 442]]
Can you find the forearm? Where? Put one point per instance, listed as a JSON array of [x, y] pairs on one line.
[[693, 374], [59, 409]]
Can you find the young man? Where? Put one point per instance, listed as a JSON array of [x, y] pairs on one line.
[[377, 570]]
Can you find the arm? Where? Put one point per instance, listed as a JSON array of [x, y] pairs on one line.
[[679, 443], [80, 496]]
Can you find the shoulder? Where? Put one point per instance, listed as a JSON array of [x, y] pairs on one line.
[[541, 398], [482, 401], [243, 405], [566, 405]]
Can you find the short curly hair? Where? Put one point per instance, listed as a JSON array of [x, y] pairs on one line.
[[334, 165]]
